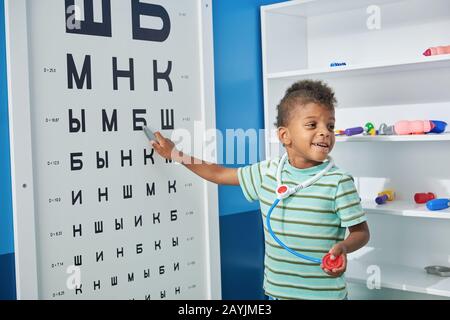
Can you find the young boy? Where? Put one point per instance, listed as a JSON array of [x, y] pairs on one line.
[[312, 221]]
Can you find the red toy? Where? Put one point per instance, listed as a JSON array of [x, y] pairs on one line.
[[424, 197], [330, 264], [437, 50]]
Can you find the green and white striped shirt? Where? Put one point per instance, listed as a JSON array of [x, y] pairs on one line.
[[310, 222]]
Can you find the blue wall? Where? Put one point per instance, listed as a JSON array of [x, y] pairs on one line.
[[7, 274], [239, 104], [238, 74]]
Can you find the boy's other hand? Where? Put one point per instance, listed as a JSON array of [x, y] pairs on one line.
[[338, 249], [163, 146]]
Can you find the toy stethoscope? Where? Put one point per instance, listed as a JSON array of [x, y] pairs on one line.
[[284, 191]]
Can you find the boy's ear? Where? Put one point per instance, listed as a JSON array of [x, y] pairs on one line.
[[284, 136]]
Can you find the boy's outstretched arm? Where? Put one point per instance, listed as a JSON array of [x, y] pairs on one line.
[[209, 171]]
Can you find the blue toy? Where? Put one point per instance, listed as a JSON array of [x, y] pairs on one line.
[[438, 204], [353, 131], [338, 64], [439, 126]]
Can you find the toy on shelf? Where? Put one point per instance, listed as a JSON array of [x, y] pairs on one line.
[[437, 50], [405, 127], [438, 204], [338, 64], [441, 271], [439, 126], [369, 129], [385, 195], [424, 197], [353, 131], [386, 130]]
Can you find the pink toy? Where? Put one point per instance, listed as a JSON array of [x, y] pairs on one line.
[[437, 50], [413, 127]]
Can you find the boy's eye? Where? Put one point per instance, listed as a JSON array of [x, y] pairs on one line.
[[331, 127], [311, 125]]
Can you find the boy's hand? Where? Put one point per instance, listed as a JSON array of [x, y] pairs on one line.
[[209, 171], [163, 146], [338, 249]]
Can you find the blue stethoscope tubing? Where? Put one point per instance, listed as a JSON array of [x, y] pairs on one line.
[[285, 195], [281, 243]]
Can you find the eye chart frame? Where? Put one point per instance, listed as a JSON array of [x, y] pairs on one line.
[[23, 173]]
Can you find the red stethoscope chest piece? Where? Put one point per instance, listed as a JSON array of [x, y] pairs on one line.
[[330, 264]]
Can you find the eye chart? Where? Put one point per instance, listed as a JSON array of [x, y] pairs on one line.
[[98, 214]]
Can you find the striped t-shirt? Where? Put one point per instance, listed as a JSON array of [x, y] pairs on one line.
[[310, 221]]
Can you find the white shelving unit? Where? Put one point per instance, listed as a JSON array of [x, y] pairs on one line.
[[400, 278], [405, 209], [386, 79]]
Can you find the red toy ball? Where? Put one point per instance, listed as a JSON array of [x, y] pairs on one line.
[[332, 264]]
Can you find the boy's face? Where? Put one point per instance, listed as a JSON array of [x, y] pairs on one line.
[[309, 135]]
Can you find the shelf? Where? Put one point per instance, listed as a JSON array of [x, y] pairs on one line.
[[310, 8], [403, 208], [422, 137], [438, 62], [399, 277]]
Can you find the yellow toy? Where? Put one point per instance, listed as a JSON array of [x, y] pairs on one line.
[[385, 195]]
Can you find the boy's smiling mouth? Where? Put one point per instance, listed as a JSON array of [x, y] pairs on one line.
[[322, 146]]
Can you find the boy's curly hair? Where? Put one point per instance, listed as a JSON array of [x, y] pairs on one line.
[[302, 93]]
